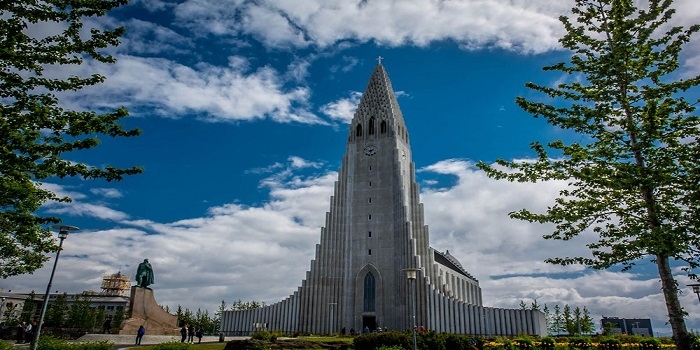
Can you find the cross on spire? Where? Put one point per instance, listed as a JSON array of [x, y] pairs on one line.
[[379, 59]]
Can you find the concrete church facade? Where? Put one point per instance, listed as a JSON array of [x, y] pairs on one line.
[[374, 231]]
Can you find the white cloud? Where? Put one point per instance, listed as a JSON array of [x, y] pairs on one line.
[[529, 26], [219, 94], [342, 109], [107, 192]]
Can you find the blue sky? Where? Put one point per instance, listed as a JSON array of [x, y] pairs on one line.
[[244, 107]]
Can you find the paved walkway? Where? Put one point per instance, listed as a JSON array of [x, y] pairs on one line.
[[129, 340], [126, 341]]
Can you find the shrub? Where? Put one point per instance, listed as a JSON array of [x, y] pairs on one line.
[[523, 343], [650, 344], [456, 342], [507, 344], [695, 343], [6, 345], [609, 344], [393, 347], [547, 343], [430, 341], [580, 343], [261, 335], [275, 334], [247, 344], [371, 341]]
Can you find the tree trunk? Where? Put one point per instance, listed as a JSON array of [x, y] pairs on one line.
[[673, 305]]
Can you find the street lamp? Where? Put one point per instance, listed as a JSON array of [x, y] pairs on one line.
[[2, 305], [696, 289], [411, 274], [63, 231]]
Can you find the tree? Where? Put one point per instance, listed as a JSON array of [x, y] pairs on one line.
[[247, 305], [37, 132], [219, 313], [180, 314], [568, 320], [118, 317], [578, 317], [29, 307], [556, 324], [522, 305], [56, 311], [80, 315], [633, 171], [587, 323], [534, 305]]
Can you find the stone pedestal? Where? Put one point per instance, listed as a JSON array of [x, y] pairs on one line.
[[145, 311]]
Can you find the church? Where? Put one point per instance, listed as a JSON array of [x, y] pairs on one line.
[[374, 239]]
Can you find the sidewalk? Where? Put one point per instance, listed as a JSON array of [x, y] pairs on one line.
[[122, 340], [126, 341]]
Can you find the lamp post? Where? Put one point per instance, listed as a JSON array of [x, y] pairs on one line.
[[696, 289], [411, 274], [2, 305], [63, 231]]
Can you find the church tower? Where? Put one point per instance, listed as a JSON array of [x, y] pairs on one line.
[[375, 227], [374, 231]]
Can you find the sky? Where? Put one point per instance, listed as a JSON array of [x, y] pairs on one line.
[[244, 107]]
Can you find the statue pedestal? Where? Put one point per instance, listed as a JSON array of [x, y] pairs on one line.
[[145, 311]]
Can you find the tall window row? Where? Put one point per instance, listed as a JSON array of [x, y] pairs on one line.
[[371, 129]]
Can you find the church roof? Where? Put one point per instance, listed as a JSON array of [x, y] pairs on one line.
[[449, 261], [379, 99]]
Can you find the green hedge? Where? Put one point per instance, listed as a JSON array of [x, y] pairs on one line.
[[430, 340]]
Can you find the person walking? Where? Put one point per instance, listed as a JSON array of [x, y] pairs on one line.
[[107, 326], [190, 333], [183, 333], [19, 337], [28, 333], [139, 334], [199, 333]]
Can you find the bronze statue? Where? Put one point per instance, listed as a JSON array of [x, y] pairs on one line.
[[144, 274]]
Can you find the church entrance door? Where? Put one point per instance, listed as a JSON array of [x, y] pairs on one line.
[[369, 322]]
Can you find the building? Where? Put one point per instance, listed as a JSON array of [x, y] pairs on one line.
[[113, 298], [629, 326], [374, 231]]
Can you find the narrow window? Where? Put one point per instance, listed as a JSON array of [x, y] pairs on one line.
[[358, 130], [369, 217], [370, 234], [369, 252], [369, 291], [383, 127], [371, 126], [370, 168], [370, 183], [370, 200]]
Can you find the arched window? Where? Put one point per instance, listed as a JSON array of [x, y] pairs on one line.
[[382, 127], [371, 126], [358, 130], [370, 286]]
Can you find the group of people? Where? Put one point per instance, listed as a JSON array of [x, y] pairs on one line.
[[25, 332], [188, 332]]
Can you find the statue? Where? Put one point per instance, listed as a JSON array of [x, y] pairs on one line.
[[144, 274]]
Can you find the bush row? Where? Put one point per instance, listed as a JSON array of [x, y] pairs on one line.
[[447, 341]]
